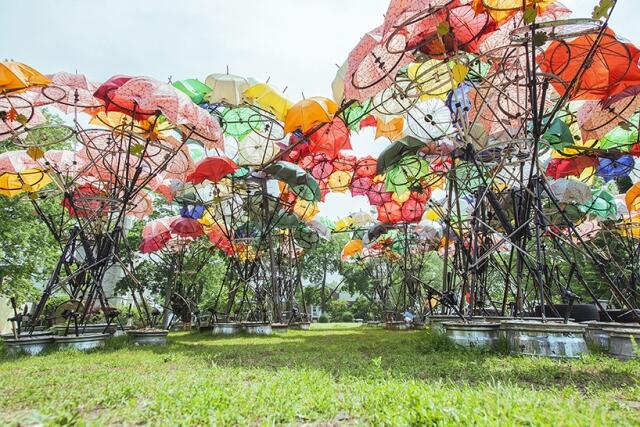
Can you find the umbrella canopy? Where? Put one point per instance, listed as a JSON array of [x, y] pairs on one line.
[[269, 99], [154, 244], [213, 169], [158, 227], [405, 174], [378, 195], [352, 248], [612, 69], [26, 181], [429, 120], [339, 181], [412, 210], [330, 139], [396, 151], [390, 212], [186, 227], [309, 113], [17, 77], [570, 191], [226, 88], [194, 89], [256, 150], [300, 181]]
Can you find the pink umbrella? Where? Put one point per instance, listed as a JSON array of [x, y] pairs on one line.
[[361, 186], [152, 95], [371, 67], [141, 206], [596, 120], [16, 161], [377, 194], [158, 226], [70, 90]]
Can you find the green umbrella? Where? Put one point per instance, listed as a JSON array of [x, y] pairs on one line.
[[306, 237], [602, 205], [301, 182], [287, 220], [239, 122], [468, 178], [356, 112], [396, 151], [195, 89], [622, 137], [406, 174], [559, 135]]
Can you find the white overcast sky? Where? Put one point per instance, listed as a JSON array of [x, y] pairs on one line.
[[294, 42]]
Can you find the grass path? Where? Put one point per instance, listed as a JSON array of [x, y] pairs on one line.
[[332, 374]]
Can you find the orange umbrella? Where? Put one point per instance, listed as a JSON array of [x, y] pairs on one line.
[[16, 77], [308, 113], [390, 212], [613, 67], [330, 139], [351, 248]]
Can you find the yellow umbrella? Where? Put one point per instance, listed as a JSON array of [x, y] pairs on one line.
[[351, 248], [305, 210], [337, 86], [15, 77], [309, 113], [434, 78], [343, 224], [27, 181], [267, 98], [339, 181]]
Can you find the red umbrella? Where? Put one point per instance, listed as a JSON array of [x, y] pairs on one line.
[[366, 166], [412, 210], [220, 241], [212, 168], [154, 244], [368, 122], [330, 139], [561, 168], [186, 227], [345, 163], [390, 212], [84, 201]]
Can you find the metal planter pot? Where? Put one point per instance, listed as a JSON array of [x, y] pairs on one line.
[[474, 335], [557, 340], [149, 337], [30, 345], [81, 342]]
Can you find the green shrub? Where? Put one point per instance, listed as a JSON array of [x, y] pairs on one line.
[[347, 316], [323, 318], [436, 342]]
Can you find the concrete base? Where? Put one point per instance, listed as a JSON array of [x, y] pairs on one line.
[[225, 328], [625, 343], [305, 326], [557, 340], [81, 342], [373, 323], [27, 345], [279, 328], [257, 328], [476, 334], [149, 337]]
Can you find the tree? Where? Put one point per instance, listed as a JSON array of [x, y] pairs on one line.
[[321, 261]]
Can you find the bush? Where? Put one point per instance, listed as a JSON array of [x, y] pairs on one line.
[[347, 316], [323, 318]]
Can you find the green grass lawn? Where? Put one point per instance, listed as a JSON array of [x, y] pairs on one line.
[[332, 374]]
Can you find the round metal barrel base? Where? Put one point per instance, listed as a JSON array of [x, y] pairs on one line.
[[81, 342], [258, 328], [397, 326], [557, 340], [305, 326], [149, 337], [226, 328], [435, 321], [625, 343], [279, 328], [28, 345], [474, 335]]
